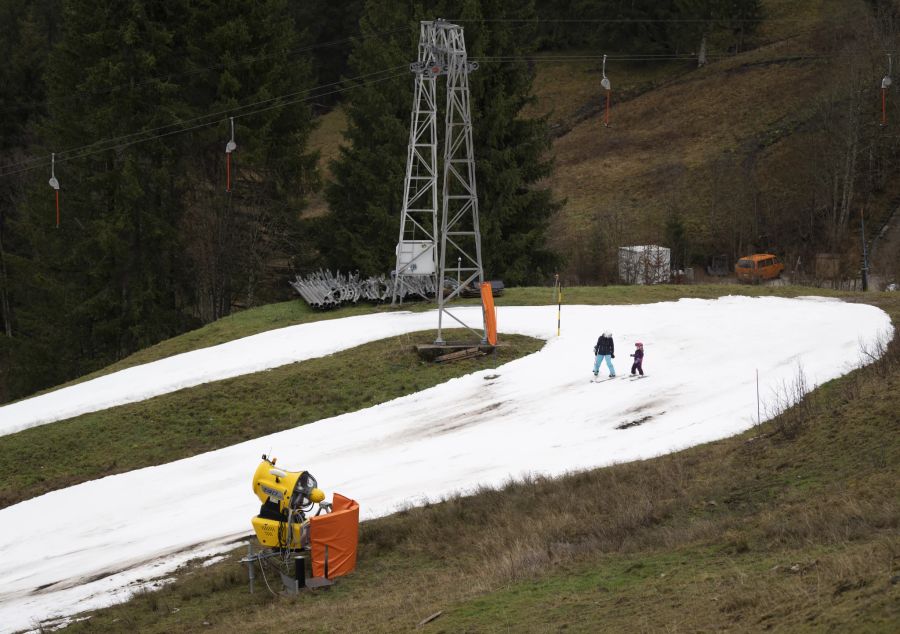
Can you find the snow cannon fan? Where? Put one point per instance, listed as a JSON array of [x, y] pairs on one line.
[[287, 497], [286, 528]]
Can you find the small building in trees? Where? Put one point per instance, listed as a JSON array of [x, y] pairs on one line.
[[645, 264]]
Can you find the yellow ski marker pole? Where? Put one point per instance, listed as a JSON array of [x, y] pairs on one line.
[[558, 304]]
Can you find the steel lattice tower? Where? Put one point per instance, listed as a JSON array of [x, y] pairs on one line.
[[416, 246], [442, 51]]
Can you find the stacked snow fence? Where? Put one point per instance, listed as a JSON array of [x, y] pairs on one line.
[[325, 290]]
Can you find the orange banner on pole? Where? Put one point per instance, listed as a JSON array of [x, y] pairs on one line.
[[490, 313], [334, 538]]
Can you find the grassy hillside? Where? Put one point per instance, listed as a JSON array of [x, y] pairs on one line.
[[737, 152], [742, 153], [222, 413], [325, 139], [279, 315], [215, 415], [792, 526]]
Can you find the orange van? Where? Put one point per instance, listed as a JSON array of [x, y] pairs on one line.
[[758, 267]]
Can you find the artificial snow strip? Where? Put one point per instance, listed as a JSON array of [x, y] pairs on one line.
[[538, 414]]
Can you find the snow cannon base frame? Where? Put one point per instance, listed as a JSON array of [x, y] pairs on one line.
[[290, 538]]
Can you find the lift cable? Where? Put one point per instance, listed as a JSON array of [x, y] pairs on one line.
[[249, 109], [198, 71], [209, 119]]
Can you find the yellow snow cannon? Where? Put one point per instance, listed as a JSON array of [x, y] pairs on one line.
[[287, 497], [292, 537]]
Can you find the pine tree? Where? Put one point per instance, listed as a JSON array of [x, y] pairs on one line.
[[142, 214], [510, 151], [330, 25], [365, 196], [27, 30], [245, 53], [118, 242]]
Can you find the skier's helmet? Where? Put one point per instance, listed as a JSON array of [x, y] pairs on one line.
[[639, 344], [607, 334]]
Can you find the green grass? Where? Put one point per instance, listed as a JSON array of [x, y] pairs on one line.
[[279, 315], [239, 324], [219, 414], [658, 592], [326, 139], [223, 413], [690, 145], [792, 526], [272, 316], [568, 91]]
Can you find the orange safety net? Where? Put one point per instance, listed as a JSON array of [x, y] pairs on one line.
[[490, 313], [333, 539]]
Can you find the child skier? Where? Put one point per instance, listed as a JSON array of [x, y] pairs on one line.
[[638, 358], [605, 349]]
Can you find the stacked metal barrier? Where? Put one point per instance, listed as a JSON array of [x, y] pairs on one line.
[[324, 290]]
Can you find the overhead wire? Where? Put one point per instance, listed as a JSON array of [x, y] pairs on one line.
[[622, 58], [208, 119], [250, 109], [245, 110], [626, 20], [241, 62], [116, 140], [197, 71]]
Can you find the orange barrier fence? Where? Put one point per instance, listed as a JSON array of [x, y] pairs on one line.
[[490, 313], [334, 537]]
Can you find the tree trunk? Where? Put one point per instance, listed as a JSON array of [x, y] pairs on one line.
[[4, 292]]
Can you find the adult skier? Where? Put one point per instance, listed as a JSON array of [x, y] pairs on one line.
[[605, 349]]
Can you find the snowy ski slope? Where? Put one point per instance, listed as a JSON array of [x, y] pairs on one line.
[[89, 545]]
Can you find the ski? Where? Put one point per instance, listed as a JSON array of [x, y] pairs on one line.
[[635, 378], [603, 380]]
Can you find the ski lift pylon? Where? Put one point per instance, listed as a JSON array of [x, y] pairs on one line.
[[230, 147], [54, 183], [604, 82], [885, 84]]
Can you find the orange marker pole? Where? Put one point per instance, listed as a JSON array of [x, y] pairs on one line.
[[606, 116], [490, 313]]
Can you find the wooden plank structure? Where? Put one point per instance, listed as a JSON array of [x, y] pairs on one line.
[[448, 352], [465, 353]]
